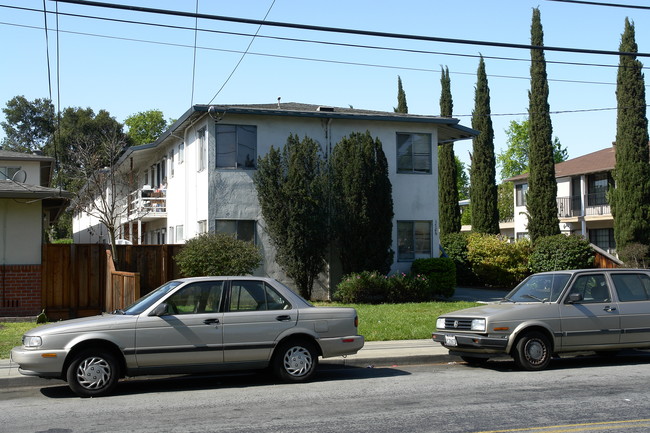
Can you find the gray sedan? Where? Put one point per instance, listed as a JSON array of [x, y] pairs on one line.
[[188, 326], [600, 310]]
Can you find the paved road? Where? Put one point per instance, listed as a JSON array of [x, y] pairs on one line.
[[574, 395]]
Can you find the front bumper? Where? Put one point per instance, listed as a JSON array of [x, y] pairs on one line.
[[340, 346], [471, 342], [39, 362]]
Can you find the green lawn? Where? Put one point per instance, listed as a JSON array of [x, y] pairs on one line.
[[376, 322]]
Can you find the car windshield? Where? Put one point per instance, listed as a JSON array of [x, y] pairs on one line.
[[150, 298], [539, 288]]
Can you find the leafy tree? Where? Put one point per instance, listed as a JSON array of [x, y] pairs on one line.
[[462, 180], [542, 187], [506, 201], [145, 127], [217, 254], [483, 189], [401, 98], [447, 168], [292, 192], [514, 160], [363, 204], [630, 199], [28, 125]]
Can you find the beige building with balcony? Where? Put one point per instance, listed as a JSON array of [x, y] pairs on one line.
[[583, 209]]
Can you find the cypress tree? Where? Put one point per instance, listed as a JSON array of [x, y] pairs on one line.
[[483, 188], [363, 209], [541, 202], [630, 199], [401, 98], [447, 168]]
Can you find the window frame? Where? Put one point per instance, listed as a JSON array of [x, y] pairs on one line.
[[521, 191], [237, 145], [236, 232], [415, 253], [412, 156]]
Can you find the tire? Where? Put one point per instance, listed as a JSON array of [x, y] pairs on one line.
[[474, 360], [532, 352], [93, 373], [295, 361]]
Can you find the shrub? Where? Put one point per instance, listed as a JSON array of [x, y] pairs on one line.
[[374, 288], [497, 262], [455, 247], [559, 252], [634, 255], [217, 254], [441, 273]]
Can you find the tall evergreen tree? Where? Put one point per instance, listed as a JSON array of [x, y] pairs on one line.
[[292, 191], [483, 188], [363, 209], [630, 199], [447, 169], [401, 98], [542, 187]]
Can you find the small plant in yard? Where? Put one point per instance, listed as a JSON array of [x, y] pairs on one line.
[[217, 254], [374, 288]]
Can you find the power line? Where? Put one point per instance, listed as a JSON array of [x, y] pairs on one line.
[[593, 3], [349, 31]]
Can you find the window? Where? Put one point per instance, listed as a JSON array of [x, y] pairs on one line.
[[413, 153], [201, 156], [597, 185], [180, 237], [603, 238], [592, 288], [244, 230], [8, 173], [196, 298], [181, 153], [171, 163], [236, 146], [632, 287], [255, 296], [521, 191], [202, 226], [413, 240], [171, 235]]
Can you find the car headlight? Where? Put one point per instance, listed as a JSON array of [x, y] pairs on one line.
[[31, 341], [478, 325], [440, 323]]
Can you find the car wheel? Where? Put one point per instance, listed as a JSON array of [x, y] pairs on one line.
[[532, 351], [474, 360], [92, 373], [295, 361]]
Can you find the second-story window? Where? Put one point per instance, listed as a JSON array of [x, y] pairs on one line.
[[236, 146], [8, 173], [413, 153], [181, 153], [520, 194], [201, 138]]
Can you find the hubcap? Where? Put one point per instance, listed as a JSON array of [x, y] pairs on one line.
[[535, 351], [93, 373], [297, 361]]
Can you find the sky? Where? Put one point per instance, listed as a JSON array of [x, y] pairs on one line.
[[126, 67]]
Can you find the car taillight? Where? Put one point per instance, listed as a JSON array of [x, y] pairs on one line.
[[356, 321]]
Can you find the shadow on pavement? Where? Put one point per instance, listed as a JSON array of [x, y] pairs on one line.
[[153, 384]]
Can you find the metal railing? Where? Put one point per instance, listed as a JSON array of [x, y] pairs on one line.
[[148, 202], [595, 204]]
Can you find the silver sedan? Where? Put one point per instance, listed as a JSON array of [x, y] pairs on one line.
[[192, 325]]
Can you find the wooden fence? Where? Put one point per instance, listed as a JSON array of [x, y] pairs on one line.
[[75, 277]]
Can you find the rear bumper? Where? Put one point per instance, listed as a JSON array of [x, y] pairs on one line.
[[471, 342], [341, 346]]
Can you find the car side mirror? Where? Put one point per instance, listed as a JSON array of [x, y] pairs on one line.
[[160, 310], [574, 298]]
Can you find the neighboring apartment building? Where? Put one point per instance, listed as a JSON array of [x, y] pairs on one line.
[[582, 204], [198, 176], [27, 207]]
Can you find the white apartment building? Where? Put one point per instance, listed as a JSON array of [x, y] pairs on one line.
[[198, 176]]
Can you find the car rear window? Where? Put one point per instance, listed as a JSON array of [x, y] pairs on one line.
[[632, 287]]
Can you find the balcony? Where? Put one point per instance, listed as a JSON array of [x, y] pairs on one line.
[[147, 204], [595, 205]]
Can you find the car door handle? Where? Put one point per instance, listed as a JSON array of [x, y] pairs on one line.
[[609, 309], [211, 321], [283, 318]]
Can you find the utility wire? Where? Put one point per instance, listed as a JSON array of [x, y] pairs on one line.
[[351, 31], [593, 3], [196, 32], [243, 55]]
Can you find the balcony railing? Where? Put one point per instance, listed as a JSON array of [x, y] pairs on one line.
[[148, 203], [595, 204]]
